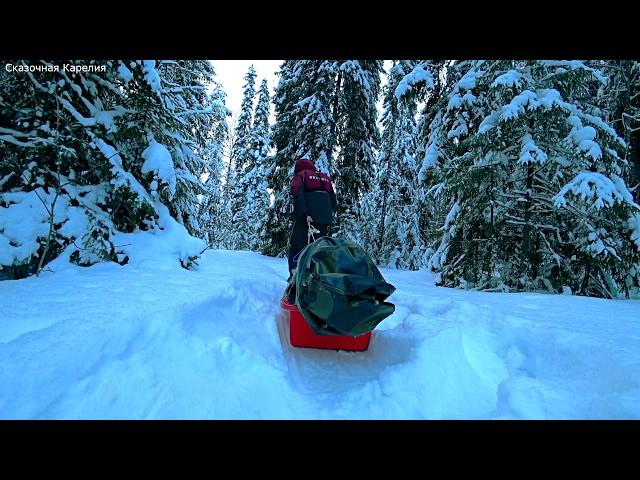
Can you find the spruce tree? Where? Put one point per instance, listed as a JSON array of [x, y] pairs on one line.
[[212, 214], [292, 139], [241, 162], [357, 133], [620, 104], [399, 244], [323, 108], [252, 218]]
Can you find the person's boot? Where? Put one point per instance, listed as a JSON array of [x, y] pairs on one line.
[[285, 296], [291, 294], [291, 288]]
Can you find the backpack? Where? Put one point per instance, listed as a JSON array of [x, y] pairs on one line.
[[316, 196]]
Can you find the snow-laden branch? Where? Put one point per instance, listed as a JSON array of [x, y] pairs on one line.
[[594, 185], [418, 76]]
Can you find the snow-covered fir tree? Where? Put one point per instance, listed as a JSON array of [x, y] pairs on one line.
[[241, 145], [212, 214], [252, 217], [358, 88], [392, 214], [434, 98], [619, 100], [241, 162], [197, 117], [323, 107], [303, 124], [224, 232]]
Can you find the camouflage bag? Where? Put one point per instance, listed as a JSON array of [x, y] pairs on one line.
[[339, 290]]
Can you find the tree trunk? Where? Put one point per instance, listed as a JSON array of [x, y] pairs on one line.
[[382, 220], [526, 257], [335, 115], [634, 160]]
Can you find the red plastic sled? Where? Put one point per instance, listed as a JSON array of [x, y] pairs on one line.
[[301, 334]]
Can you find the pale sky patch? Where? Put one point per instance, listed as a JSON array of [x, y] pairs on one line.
[[230, 73]]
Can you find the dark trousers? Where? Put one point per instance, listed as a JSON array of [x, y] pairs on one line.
[[298, 238]]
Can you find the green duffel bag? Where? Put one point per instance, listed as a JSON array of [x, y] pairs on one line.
[[339, 290]]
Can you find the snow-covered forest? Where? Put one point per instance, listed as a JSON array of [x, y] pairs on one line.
[[499, 175], [515, 182]]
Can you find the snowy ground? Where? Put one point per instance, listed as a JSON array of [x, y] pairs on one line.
[[152, 340]]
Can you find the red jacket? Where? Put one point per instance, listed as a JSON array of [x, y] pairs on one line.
[[307, 180]]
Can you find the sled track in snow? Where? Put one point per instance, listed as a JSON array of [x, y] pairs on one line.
[[319, 372]]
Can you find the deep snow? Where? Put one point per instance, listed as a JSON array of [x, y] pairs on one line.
[[153, 340]]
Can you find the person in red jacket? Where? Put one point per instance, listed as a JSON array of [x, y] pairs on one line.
[[314, 202]]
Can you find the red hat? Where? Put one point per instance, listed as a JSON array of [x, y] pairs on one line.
[[304, 164]]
